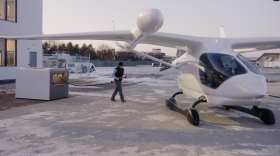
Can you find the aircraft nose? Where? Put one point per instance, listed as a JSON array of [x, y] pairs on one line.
[[254, 88]]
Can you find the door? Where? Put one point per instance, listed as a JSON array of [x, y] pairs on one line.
[[33, 59]]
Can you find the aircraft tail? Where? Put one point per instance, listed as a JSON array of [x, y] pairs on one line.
[[223, 34]]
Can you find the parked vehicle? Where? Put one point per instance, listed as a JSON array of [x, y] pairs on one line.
[[156, 64]]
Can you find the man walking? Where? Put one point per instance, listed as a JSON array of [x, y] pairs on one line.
[[118, 75]]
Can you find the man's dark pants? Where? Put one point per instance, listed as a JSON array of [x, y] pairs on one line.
[[118, 89]]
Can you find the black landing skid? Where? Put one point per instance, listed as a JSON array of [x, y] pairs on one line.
[[263, 114], [190, 113]]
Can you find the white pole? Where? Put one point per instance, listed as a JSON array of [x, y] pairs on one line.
[[80, 66], [89, 64]]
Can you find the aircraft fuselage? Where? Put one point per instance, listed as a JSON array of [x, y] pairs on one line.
[[224, 78]]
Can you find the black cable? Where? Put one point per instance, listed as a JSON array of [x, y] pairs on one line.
[[90, 84], [87, 85], [274, 96]]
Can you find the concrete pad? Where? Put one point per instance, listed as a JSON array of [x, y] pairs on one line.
[[90, 124]]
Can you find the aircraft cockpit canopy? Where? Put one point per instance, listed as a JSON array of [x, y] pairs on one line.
[[249, 64], [215, 68]]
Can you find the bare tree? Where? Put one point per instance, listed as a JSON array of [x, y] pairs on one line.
[[121, 49], [54, 42], [103, 47]]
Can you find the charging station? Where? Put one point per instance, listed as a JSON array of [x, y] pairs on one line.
[[42, 83]]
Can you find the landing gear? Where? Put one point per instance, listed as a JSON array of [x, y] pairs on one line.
[[264, 114], [190, 113]]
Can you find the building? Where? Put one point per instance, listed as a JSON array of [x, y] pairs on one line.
[[252, 59], [110, 54], [20, 17], [156, 51], [267, 60], [169, 59]]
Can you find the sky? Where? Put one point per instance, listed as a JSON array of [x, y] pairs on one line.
[[240, 18]]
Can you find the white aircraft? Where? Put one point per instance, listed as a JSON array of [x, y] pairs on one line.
[[211, 70]]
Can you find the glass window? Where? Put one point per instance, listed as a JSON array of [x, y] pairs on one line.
[[214, 68], [2, 52], [11, 53], [11, 10], [249, 64], [3, 9]]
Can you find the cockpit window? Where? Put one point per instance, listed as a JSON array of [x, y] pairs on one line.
[[249, 65], [214, 68]]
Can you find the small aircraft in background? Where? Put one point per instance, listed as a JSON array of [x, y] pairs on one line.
[[211, 70]]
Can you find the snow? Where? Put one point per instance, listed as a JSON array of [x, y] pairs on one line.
[[149, 78]]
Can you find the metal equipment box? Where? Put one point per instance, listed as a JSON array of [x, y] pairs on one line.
[[42, 83]]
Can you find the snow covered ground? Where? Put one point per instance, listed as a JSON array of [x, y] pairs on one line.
[[7, 89], [91, 124], [148, 75]]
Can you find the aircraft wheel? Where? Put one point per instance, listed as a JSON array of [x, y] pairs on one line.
[[267, 116]]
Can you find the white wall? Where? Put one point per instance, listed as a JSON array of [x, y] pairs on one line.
[[29, 22], [274, 64]]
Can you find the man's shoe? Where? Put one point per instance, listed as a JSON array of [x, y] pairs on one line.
[[113, 100], [123, 101]]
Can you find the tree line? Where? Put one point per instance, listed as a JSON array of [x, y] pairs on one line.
[[74, 49], [102, 53]]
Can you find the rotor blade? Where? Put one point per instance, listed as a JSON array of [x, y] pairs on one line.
[[164, 68]]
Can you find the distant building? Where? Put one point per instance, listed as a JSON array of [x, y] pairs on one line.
[[156, 51], [266, 60], [110, 54], [169, 58]]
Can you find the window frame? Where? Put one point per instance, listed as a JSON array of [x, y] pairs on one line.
[[4, 52], [6, 56], [6, 14]]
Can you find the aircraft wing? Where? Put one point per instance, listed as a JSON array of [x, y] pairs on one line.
[[186, 42], [173, 40], [157, 38], [124, 35], [241, 45]]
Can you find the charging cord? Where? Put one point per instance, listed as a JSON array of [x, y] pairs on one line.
[[89, 84]]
